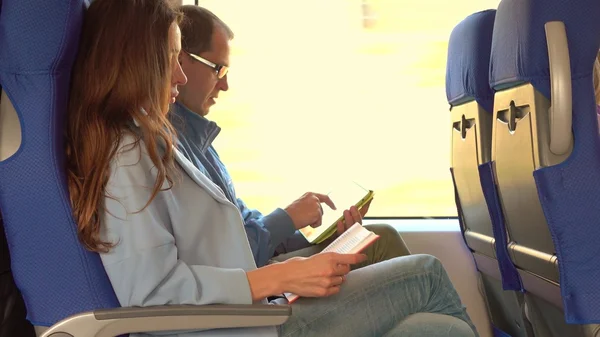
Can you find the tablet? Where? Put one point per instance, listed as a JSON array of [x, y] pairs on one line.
[[343, 197]]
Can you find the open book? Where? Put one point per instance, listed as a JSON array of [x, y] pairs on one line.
[[344, 196], [354, 240]]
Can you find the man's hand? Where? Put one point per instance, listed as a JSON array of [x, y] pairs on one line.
[[352, 216], [307, 210]]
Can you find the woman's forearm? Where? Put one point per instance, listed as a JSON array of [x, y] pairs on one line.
[[266, 281]]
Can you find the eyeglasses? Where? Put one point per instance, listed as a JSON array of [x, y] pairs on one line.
[[221, 70]]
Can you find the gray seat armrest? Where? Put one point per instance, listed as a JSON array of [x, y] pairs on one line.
[[115, 322]]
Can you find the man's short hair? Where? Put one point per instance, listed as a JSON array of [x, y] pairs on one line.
[[197, 28]]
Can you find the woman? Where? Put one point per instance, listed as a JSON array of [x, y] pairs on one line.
[[167, 235]]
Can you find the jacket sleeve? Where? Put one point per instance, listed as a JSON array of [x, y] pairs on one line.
[[265, 233], [143, 266]]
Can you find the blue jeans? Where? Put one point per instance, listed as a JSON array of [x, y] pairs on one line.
[[405, 296]]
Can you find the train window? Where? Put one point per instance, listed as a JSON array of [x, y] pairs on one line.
[[324, 91]]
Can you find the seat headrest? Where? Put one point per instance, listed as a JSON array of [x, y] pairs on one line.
[[468, 62], [27, 42], [519, 49]]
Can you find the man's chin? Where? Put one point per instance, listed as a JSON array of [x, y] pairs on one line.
[[205, 110]]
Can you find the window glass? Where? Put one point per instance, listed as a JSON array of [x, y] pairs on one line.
[[327, 91]]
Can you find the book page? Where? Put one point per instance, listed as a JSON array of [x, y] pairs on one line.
[[349, 240]]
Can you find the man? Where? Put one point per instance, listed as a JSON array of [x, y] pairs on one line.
[[205, 59]]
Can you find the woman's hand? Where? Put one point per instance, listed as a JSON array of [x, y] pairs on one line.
[[317, 276]]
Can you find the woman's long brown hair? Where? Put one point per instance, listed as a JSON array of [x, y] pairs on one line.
[[123, 65]]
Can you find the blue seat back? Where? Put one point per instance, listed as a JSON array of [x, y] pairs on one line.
[[472, 101], [56, 276], [568, 189]]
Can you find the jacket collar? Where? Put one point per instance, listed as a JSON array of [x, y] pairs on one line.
[[197, 129], [198, 177]]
